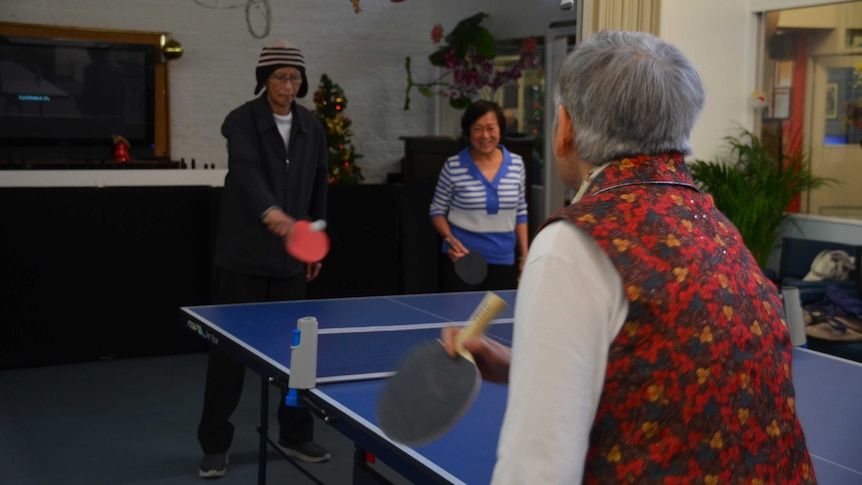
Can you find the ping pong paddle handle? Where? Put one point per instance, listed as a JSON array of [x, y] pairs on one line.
[[488, 308], [317, 225]]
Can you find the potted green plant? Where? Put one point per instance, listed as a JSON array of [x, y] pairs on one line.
[[753, 189]]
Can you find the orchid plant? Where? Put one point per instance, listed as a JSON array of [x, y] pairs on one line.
[[466, 58]]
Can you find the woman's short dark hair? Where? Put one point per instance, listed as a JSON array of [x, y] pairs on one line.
[[477, 110]]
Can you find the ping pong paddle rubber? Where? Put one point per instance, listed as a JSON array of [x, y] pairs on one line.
[[309, 243], [471, 268], [431, 391]]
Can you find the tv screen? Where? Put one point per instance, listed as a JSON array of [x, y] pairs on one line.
[[67, 99]]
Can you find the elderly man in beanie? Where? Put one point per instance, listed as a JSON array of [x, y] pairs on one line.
[[277, 174]]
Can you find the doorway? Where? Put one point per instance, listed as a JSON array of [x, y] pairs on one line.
[[810, 69], [552, 196], [836, 135]]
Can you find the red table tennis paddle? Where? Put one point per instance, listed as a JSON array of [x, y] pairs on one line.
[[471, 268], [309, 243], [430, 390]]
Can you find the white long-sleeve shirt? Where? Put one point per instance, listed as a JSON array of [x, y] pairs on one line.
[[570, 305]]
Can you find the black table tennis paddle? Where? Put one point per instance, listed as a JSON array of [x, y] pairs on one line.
[[471, 268], [430, 390]]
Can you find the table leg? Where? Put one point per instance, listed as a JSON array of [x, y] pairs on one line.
[[263, 430]]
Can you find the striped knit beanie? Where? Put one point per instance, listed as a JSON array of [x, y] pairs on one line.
[[277, 54]]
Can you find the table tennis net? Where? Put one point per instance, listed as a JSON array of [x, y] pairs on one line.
[[347, 354]]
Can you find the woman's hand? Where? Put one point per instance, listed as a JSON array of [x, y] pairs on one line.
[[456, 249], [492, 358]]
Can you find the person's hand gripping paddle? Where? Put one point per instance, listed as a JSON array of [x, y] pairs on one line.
[[309, 242], [430, 390]]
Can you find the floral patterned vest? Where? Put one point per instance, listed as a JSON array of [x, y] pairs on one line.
[[698, 386]]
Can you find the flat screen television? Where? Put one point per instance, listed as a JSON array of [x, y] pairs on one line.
[[66, 99]]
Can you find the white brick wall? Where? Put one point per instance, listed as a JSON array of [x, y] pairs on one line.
[[364, 53]]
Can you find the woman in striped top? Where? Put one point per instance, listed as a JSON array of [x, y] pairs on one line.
[[479, 203]]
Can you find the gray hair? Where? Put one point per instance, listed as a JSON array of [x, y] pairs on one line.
[[628, 93]]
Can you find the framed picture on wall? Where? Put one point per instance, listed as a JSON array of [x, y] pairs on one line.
[[781, 103], [831, 101]]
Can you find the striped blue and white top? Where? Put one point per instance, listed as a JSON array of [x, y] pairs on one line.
[[481, 213]]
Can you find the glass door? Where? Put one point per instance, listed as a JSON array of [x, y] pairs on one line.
[[559, 41], [836, 135]]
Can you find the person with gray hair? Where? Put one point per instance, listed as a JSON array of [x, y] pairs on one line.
[[648, 346], [637, 77]]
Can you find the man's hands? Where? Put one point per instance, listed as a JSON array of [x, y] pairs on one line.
[[492, 358], [281, 224], [312, 270]]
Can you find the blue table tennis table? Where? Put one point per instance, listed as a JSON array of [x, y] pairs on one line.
[[361, 340]]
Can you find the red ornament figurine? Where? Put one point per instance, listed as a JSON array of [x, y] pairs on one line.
[[121, 149]]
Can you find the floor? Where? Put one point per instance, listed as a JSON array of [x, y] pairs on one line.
[[133, 421]]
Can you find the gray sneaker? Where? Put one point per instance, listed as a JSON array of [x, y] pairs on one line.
[[309, 451], [213, 466]]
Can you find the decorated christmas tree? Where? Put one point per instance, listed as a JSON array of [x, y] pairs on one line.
[[329, 106]]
